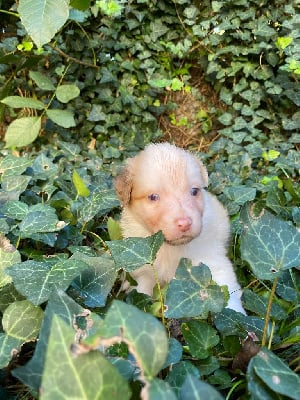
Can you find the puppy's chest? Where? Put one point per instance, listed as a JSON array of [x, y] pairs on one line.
[[167, 260]]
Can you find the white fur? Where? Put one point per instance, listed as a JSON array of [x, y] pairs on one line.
[[195, 226]]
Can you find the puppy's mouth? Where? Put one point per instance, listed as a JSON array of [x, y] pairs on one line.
[[180, 241]]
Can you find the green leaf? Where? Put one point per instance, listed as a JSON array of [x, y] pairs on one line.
[[86, 376], [226, 118], [176, 84], [178, 374], [283, 42], [99, 202], [79, 184], [15, 185], [23, 131], [41, 80], [195, 389], [23, 102], [268, 244], [8, 256], [8, 295], [63, 306], [15, 209], [80, 4], [240, 194], [41, 218], [230, 322], [132, 253], [157, 389], [36, 280], [258, 305], [95, 283], [11, 165], [274, 373], [110, 7], [7, 345], [144, 334], [65, 93], [192, 292], [157, 29], [21, 321], [43, 18], [200, 338], [160, 83], [14, 323], [114, 229], [62, 118]]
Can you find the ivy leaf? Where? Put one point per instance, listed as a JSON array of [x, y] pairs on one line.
[[160, 83], [42, 19], [177, 84], [266, 367], [99, 202], [283, 42], [15, 185], [63, 306], [62, 118], [192, 292], [240, 194], [259, 304], [8, 256], [24, 329], [79, 184], [23, 102], [132, 253], [36, 280], [43, 168], [200, 337], [23, 131], [87, 376], [95, 283], [268, 244], [195, 389], [179, 373], [8, 295], [65, 93], [11, 165], [157, 28], [158, 389], [21, 321], [143, 333], [230, 322], [15, 209], [41, 218]]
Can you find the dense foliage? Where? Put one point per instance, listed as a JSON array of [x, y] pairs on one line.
[[83, 85]]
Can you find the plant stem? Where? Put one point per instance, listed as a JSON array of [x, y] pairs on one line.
[[267, 318], [161, 297], [10, 13]]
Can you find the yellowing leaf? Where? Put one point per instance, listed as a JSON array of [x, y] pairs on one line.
[[80, 186]]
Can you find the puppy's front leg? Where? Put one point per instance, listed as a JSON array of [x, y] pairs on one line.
[[145, 279]]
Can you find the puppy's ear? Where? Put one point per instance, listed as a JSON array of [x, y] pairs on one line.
[[203, 172], [123, 185]]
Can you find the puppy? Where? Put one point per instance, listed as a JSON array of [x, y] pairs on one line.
[[162, 188]]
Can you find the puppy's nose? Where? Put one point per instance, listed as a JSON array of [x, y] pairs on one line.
[[184, 224]]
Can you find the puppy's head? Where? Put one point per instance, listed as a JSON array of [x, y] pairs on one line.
[[162, 189]]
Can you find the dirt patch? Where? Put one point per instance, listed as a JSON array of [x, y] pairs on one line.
[[193, 120]]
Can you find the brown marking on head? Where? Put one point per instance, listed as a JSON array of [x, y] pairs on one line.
[[123, 183]]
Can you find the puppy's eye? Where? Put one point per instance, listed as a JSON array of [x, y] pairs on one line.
[[195, 191], [153, 197]]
